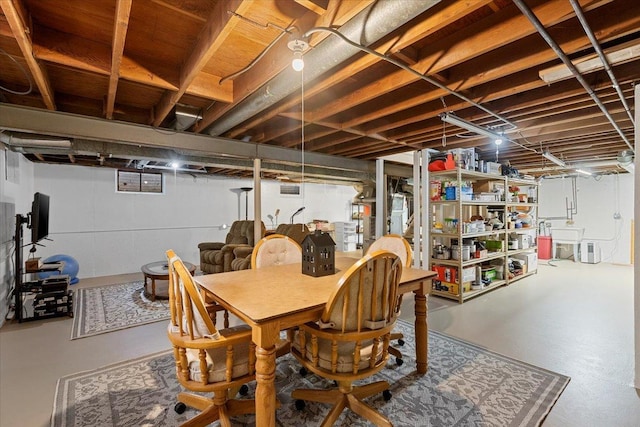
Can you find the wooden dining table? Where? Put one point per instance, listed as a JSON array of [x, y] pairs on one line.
[[272, 299]]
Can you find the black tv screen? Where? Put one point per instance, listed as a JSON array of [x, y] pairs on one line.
[[39, 217]]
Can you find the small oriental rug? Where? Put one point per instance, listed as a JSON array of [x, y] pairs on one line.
[[110, 308], [466, 385]]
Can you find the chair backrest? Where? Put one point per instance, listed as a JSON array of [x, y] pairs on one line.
[[394, 243], [242, 232], [189, 316], [276, 249], [366, 295]]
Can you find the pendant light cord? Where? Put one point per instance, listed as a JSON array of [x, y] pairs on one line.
[[302, 132]]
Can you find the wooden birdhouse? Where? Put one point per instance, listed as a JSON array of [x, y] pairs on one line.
[[318, 254]]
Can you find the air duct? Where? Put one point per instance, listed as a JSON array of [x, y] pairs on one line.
[[34, 142], [370, 25], [186, 116]]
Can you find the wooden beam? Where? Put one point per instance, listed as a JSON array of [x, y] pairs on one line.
[[17, 17], [213, 35], [279, 58], [502, 28], [120, 26], [317, 6], [86, 55], [430, 24]]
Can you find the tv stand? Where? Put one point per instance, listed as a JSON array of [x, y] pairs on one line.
[[41, 298]]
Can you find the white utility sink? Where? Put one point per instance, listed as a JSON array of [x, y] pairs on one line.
[[569, 236]]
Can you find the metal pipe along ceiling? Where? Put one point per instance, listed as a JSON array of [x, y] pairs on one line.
[[594, 42], [367, 27], [526, 11]]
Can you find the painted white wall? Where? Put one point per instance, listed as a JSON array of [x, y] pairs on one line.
[[17, 187], [112, 233], [597, 202]]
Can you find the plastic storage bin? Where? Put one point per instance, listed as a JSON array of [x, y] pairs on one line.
[[544, 247]]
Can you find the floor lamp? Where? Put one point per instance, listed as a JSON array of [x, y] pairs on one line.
[[246, 201]]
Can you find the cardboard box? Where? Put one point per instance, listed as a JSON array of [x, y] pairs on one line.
[[33, 265], [493, 168], [530, 260]]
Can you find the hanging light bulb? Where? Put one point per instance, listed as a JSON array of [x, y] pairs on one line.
[[298, 46], [298, 62]]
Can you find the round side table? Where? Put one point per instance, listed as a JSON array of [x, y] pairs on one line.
[[159, 270]]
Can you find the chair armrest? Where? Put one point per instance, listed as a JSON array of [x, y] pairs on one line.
[[231, 247], [243, 251], [207, 246]]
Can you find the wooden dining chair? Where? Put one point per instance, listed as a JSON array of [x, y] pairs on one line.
[[276, 249], [398, 245], [350, 341], [207, 359]]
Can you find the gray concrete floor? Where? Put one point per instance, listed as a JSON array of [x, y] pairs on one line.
[[574, 319]]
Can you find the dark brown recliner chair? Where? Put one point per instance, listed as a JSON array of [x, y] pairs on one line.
[[216, 257], [242, 259], [296, 232]]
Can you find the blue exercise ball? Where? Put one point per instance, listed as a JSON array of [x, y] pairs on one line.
[[70, 268]]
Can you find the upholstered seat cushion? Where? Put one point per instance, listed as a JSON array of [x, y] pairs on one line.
[[217, 358], [345, 353]]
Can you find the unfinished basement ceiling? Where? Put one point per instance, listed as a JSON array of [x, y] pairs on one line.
[[222, 69]]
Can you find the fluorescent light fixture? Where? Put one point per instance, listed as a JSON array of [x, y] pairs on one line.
[[547, 155], [584, 172], [624, 53], [174, 168], [457, 121]]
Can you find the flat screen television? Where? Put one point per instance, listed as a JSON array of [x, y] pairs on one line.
[[39, 217]]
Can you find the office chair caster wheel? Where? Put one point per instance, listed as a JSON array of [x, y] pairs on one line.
[[399, 361], [401, 342], [303, 372], [180, 408], [244, 390], [300, 404], [386, 395]]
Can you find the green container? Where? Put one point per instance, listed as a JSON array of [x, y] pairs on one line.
[[488, 273], [494, 245]]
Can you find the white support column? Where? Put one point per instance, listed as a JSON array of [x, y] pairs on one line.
[[257, 200], [426, 209], [636, 237], [417, 218], [381, 198]]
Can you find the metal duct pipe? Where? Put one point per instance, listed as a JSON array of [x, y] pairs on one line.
[[43, 142], [367, 27], [526, 11], [594, 42]]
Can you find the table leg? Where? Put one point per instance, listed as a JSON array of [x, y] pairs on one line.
[[265, 395], [422, 344]]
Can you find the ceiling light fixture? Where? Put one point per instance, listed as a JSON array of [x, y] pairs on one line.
[[625, 160], [298, 46], [547, 155], [622, 54], [584, 172], [457, 121]]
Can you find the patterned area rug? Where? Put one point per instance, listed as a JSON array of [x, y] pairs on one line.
[[110, 308], [466, 385]]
